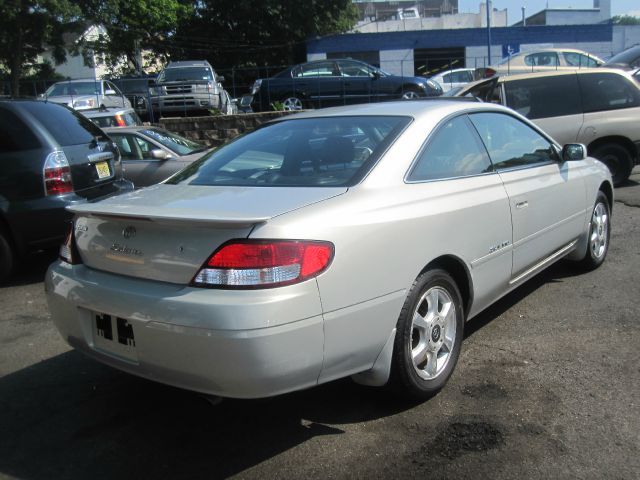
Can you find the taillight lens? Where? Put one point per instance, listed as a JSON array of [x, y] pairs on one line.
[[489, 72], [68, 250], [264, 263], [120, 121], [57, 174]]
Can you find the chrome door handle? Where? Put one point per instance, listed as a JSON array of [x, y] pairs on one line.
[[520, 205]]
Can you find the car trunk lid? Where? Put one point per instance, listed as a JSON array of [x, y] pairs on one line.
[[167, 232]]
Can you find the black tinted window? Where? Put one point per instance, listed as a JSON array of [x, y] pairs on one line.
[[510, 142], [65, 125], [15, 135], [608, 91], [544, 97], [335, 151], [453, 151]]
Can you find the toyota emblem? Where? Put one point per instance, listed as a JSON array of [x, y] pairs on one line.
[[129, 232]]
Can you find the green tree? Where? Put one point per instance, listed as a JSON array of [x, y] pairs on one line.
[[28, 28], [625, 20], [257, 32], [132, 27]]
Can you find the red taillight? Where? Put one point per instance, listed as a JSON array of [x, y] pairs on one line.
[[264, 263], [120, 121], [489, 72], [57, 174], [68, 250]]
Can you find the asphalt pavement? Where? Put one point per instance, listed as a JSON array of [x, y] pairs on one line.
[[547, 386]]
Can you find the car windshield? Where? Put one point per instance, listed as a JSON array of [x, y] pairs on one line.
[[183, 74], [330, 151], [174, 142], [74, 88]]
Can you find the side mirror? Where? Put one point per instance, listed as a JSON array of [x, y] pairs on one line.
[[375, 75], [110, 92], [158, 154], [574, 151], [220, 78]]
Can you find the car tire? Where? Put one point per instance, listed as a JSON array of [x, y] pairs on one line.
[[292, 102], [429, 335], [410, 93], [617, 158], [598, 234], [7, 257]]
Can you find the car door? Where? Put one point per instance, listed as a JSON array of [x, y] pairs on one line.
[[115, 99], [453, 176], [547, 196], [320, 82], [138, 164], [358, 82], [551, 102]]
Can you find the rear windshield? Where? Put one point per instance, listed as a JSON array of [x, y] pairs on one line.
[[330, 151], [185, 74], [74, 88], [66, 126], [174, 142]]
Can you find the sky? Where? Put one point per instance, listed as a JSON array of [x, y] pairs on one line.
[[618, 7]]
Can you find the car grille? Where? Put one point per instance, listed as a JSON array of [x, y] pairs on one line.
[[172, 89]]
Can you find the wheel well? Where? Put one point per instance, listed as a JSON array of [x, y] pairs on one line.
[[622, 141], [608, 191], [458, 270], [4, 227], [408, 87]]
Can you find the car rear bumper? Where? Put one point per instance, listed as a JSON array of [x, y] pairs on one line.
[[243, 344]]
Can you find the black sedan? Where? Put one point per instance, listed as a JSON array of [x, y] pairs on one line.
[[325, 83]]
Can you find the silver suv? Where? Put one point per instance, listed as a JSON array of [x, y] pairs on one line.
[[187, 87], [597, 107]]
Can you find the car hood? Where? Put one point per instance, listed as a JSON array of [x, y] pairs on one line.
[[208, 204]]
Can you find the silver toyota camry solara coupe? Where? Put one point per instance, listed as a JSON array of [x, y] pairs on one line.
[[353, 241]]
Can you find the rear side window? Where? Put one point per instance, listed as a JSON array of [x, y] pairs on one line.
[[453, 151], [542, 59], [608, 91], [65, 125], [315, 152], [15, 135], [544, 97], [579, 60], [510, 142]]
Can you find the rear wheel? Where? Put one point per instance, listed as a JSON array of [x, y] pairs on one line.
[[618, 159], [7, 257], [429, 335]]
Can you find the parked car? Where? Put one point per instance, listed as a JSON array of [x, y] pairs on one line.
[[136, 89], [545, 60], [189, 87], [113, 117], [628, 59], [339, 242], [597, 107], [454, 78], [325, 83], [50, 157], [152, 154], [86, 94]]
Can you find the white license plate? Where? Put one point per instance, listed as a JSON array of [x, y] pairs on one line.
[[103, 169], [114, 335]]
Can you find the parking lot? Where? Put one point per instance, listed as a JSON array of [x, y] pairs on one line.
[[547, 386]]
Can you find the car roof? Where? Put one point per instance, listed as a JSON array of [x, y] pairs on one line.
[[417, 109], [555, 73], [188, 63], [80, 80], [131, 129]]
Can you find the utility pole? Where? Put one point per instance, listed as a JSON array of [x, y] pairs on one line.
[[488, 32]]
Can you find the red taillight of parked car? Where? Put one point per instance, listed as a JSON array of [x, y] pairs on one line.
[[120, 121], [264, 263], [68, 250], [57, 174], [489, 72]]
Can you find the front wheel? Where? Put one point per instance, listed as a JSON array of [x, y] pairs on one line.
[[599, 234], [429, 335], [292, 103], [617, 159]]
